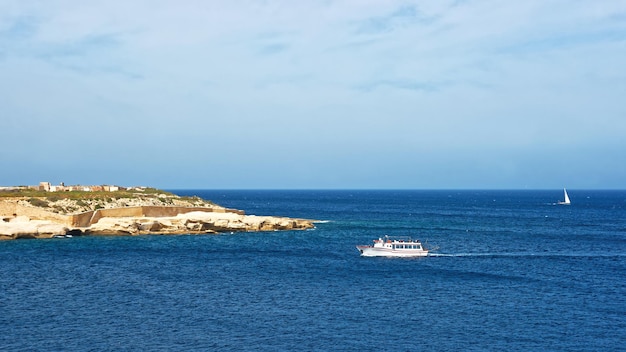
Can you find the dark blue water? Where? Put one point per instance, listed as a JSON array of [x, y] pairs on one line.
[[513, 272]]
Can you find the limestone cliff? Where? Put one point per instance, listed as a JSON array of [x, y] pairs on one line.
[[46, 217], [196, 222]]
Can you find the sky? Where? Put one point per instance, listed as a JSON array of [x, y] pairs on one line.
[[327, 94]]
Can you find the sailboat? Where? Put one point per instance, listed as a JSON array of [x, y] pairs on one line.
[[566, 201]]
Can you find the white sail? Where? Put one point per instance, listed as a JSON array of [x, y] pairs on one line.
[[566, 201]]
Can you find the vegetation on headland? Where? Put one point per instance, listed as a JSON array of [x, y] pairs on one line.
[[68, 202], [129, 193]]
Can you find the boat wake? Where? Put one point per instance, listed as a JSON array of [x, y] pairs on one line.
[[529, 255]]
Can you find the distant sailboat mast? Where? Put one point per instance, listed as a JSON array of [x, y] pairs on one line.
[[566, 201]]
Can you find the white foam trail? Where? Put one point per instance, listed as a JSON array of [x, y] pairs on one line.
[[462, 254], [564, 255]]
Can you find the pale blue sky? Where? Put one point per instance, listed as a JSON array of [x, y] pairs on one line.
[[314, 94]]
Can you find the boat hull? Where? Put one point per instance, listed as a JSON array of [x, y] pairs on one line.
[[368, 251]]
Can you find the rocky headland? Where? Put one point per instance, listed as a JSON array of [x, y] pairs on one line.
[[49, 215]]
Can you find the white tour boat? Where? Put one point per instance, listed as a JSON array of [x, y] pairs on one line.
[[394, 247]]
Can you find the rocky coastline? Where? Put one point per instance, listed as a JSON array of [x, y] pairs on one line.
[[162, 214]]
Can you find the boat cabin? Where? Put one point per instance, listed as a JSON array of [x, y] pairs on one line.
[[407, 246], [402, 243]]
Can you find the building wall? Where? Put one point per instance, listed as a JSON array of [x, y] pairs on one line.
[[82, 219]]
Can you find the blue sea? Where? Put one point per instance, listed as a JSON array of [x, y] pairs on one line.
[[513, 272]]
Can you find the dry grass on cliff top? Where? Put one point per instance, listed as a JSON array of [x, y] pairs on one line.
[[85, 195], [79, 201]]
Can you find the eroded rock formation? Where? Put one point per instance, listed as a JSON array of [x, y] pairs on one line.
[[18, 221], [195, 222]]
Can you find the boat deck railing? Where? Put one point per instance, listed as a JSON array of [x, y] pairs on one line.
[[401, 239]]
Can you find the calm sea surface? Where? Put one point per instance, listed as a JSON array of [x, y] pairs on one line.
[[513, 271]]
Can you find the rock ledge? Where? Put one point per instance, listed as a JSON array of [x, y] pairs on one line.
[[26, 223]]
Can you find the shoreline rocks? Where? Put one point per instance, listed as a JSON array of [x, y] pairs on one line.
[[194, 222], [24, 227]]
